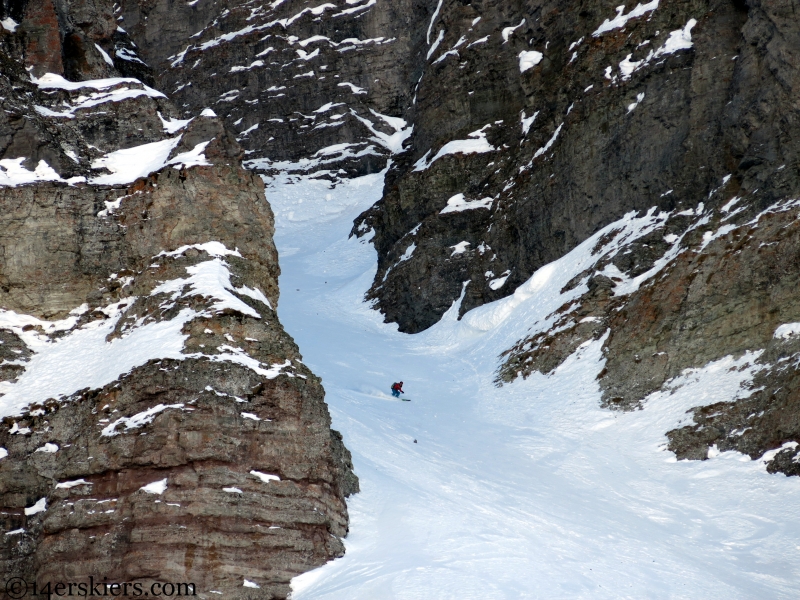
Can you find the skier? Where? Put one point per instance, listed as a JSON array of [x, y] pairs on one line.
[[397, 389]]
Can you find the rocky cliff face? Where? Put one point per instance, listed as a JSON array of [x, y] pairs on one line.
[[516, 131], [158, 422], [575, 118], [307, 86]]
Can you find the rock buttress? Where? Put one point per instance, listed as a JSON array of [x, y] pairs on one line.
[[232, 429]]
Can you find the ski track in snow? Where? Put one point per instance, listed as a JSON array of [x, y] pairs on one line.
[[526, 491]]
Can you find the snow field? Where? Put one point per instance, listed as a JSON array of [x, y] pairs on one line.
[[526, 491]]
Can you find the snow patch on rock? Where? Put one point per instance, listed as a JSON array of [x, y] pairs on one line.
[[477, 144], [622, 19], [156, 488], [529, 59], [459, 203], [39, 507], [787, 330]]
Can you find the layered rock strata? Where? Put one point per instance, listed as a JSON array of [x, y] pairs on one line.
[[158, 424]]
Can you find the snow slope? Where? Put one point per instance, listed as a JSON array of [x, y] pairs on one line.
[[525, 491], [84, 357]]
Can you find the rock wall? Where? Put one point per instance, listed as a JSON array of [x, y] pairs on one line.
[[308, 86], [158, 424], [622, 119]]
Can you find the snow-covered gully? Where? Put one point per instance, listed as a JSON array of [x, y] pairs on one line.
[[526, 491]]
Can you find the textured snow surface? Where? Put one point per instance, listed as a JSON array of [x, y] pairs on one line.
[[526, 491], [85, 359], [217, 249], [353, 88], [96, 98], [173, 125], [13, 173], [192, 158], [787, 330], [327, 155], [394, 142], [680, 39], [128, 165], [52, 81], [210, 278], [138, 420], [115, 89], [476, 144]]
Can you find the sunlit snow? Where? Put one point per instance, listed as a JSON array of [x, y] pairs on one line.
[[40, 506], [507, 31], [265, 477], [787, 330], [48, 448], [157, 487], [138, 420], [9, 24], [85, 358], [680, 39], [129, 164], [529, 59], [476, 144], [65, 485], [13, 173], [549, 143], [526, 491]]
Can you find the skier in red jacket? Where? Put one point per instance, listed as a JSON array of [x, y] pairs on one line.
[[397, 389]]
